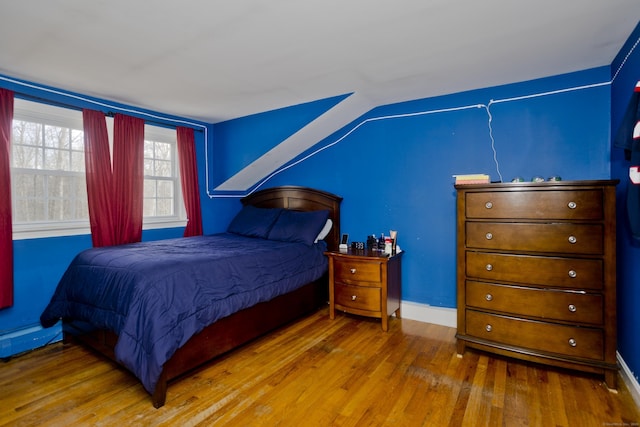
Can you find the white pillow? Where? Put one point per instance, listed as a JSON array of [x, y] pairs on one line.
[[325, 230]]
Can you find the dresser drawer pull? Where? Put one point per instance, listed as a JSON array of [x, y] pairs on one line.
[[572, 342], [573, 274], [488, 297], [572, 205], [572, 239], [353, 271], [489, 267], [353, 297], [489, 236], [572, 308], [488, 328], [488, 205]]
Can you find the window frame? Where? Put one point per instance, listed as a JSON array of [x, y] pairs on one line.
[[67, 117]]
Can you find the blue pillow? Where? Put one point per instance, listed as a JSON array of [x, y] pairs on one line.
[[254, 222], [296, 226]]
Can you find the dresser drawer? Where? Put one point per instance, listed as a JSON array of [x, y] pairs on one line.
[[357, 271], [358, 297], [553, 204], [538, 336], [552, 237], [554, 304], [536, 270]]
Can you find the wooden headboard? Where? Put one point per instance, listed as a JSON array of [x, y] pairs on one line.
[[301, 199]]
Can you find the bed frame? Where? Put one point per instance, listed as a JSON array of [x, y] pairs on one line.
[[239, 328]]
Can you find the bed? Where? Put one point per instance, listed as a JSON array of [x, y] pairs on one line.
[[218, 292]]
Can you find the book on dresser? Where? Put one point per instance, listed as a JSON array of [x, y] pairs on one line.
[[536, 273], [477, 178]]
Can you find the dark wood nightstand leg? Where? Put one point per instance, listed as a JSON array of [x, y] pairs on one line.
[[460, 347]]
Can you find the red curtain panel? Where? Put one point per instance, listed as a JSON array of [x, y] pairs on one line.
[[189, 180], [6, 230], [97, 160], [128, 177]]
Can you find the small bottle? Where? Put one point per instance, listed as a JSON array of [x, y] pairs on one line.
[[388, 246]]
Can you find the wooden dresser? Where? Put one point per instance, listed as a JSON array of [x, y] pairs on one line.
[[536, 272]]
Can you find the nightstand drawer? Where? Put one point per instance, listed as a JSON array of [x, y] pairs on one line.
[[532, 237], [357, 271], [535, 270], [358, 297], [552, 204], [554, 304], [539, 336]]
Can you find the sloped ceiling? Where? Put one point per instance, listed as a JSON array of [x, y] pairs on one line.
[[216, 60], [212, 61]]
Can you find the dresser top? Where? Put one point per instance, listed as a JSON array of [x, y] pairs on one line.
[[544, 184]]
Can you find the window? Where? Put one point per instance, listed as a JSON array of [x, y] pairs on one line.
[[162, 190], [49, 195], [48, 173]]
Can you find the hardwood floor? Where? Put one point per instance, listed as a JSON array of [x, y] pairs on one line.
[[316, 372]]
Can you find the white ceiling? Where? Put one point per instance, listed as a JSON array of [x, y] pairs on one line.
[[215, 60]]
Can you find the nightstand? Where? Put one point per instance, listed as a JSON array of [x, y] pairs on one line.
[[365, 283]]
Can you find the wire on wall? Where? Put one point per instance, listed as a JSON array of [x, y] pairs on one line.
[[487, 108], [493, 141], [624, 61]]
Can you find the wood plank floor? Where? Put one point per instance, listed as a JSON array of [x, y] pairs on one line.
[[316, 372]]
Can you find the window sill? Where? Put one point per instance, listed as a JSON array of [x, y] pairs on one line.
[[45, 230]]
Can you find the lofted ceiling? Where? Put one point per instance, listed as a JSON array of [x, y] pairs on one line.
[[214, 60]]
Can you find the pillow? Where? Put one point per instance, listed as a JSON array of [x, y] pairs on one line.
[[254, 222], [325, 230], [296, 226]]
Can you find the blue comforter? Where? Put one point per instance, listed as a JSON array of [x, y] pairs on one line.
[[157, 295]]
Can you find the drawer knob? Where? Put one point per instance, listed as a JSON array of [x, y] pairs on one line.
[[488, 328], [572, 205], [572, 239], [572, 308], [489, 236], [489, 267], [353, 297], [353, 271], [572, 342], [488, 297], [573, 274], [488, 205]]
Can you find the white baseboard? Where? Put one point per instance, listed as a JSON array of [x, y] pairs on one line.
[[629, 379], [429, 314]]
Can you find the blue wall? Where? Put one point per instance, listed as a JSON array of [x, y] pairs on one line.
[[395, 171], [625, 75]]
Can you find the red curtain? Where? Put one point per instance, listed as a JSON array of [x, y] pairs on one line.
[[189, 180], [128, 177], [115, 198], [6, 230], [97, 159]]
